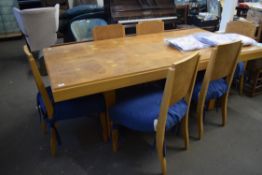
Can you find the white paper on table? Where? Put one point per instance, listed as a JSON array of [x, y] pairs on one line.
[[244, 39], [186, 43], [214, 39]]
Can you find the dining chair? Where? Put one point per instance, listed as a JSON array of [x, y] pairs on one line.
[[150, 109], [244, 28], [52, 112], [82, 29], [148, 27], [216, 81], [108, 32]]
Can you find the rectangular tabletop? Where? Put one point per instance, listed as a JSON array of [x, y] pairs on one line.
[[86, 68]]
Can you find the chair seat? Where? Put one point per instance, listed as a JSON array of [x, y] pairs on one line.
[[139, 108], [240, 69], [216, 89], [74, 108]]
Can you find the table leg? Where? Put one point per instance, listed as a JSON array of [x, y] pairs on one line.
[[110, 98]]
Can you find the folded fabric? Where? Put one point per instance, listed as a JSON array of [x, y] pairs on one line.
[[187, 43], [244, 39], [214, 39]]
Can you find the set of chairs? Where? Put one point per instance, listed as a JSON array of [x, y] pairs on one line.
[[151, 108]]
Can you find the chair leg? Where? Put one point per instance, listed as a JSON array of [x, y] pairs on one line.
[[115, 136], [162, 158], [110, 97], [241, 84], [44, 127], [185, 131], [109, 124], [242, 81], [163, 165], [103, 120], [224, 109], [200, 124], [212, 104], [53, 142]]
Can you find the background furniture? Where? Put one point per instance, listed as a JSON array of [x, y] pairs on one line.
[[39, 26], [253, 85], [83, 11], [53, 112], [26, 4], [8, 25], [82, 29], [50, 3]]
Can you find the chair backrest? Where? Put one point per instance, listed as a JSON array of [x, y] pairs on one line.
[[82, 29], [222, 64], [39, 83], [148, 27], [39, 26], [180, 82], [224, 60], [242, 27], [108, 32]]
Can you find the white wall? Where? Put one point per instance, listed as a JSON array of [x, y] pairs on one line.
[[228, 13]]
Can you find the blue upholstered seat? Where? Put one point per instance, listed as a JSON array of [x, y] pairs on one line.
[[240, 69], [216, 88], [138, 109], [74, 108]]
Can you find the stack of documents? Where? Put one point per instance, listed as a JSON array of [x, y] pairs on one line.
[[187, 43], [244, 39], [207, 39], [213, 39]]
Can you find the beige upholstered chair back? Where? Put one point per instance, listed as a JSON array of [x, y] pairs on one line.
[[39, 26]]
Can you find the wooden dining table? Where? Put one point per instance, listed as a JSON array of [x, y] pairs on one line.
[[86, 68]]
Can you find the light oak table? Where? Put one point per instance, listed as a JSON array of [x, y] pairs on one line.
[[86, 68]]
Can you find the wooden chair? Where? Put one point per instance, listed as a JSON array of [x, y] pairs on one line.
[[244, 28], [149, 109], [148, 27], [108, 32], [216, 81], [54, 111]]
